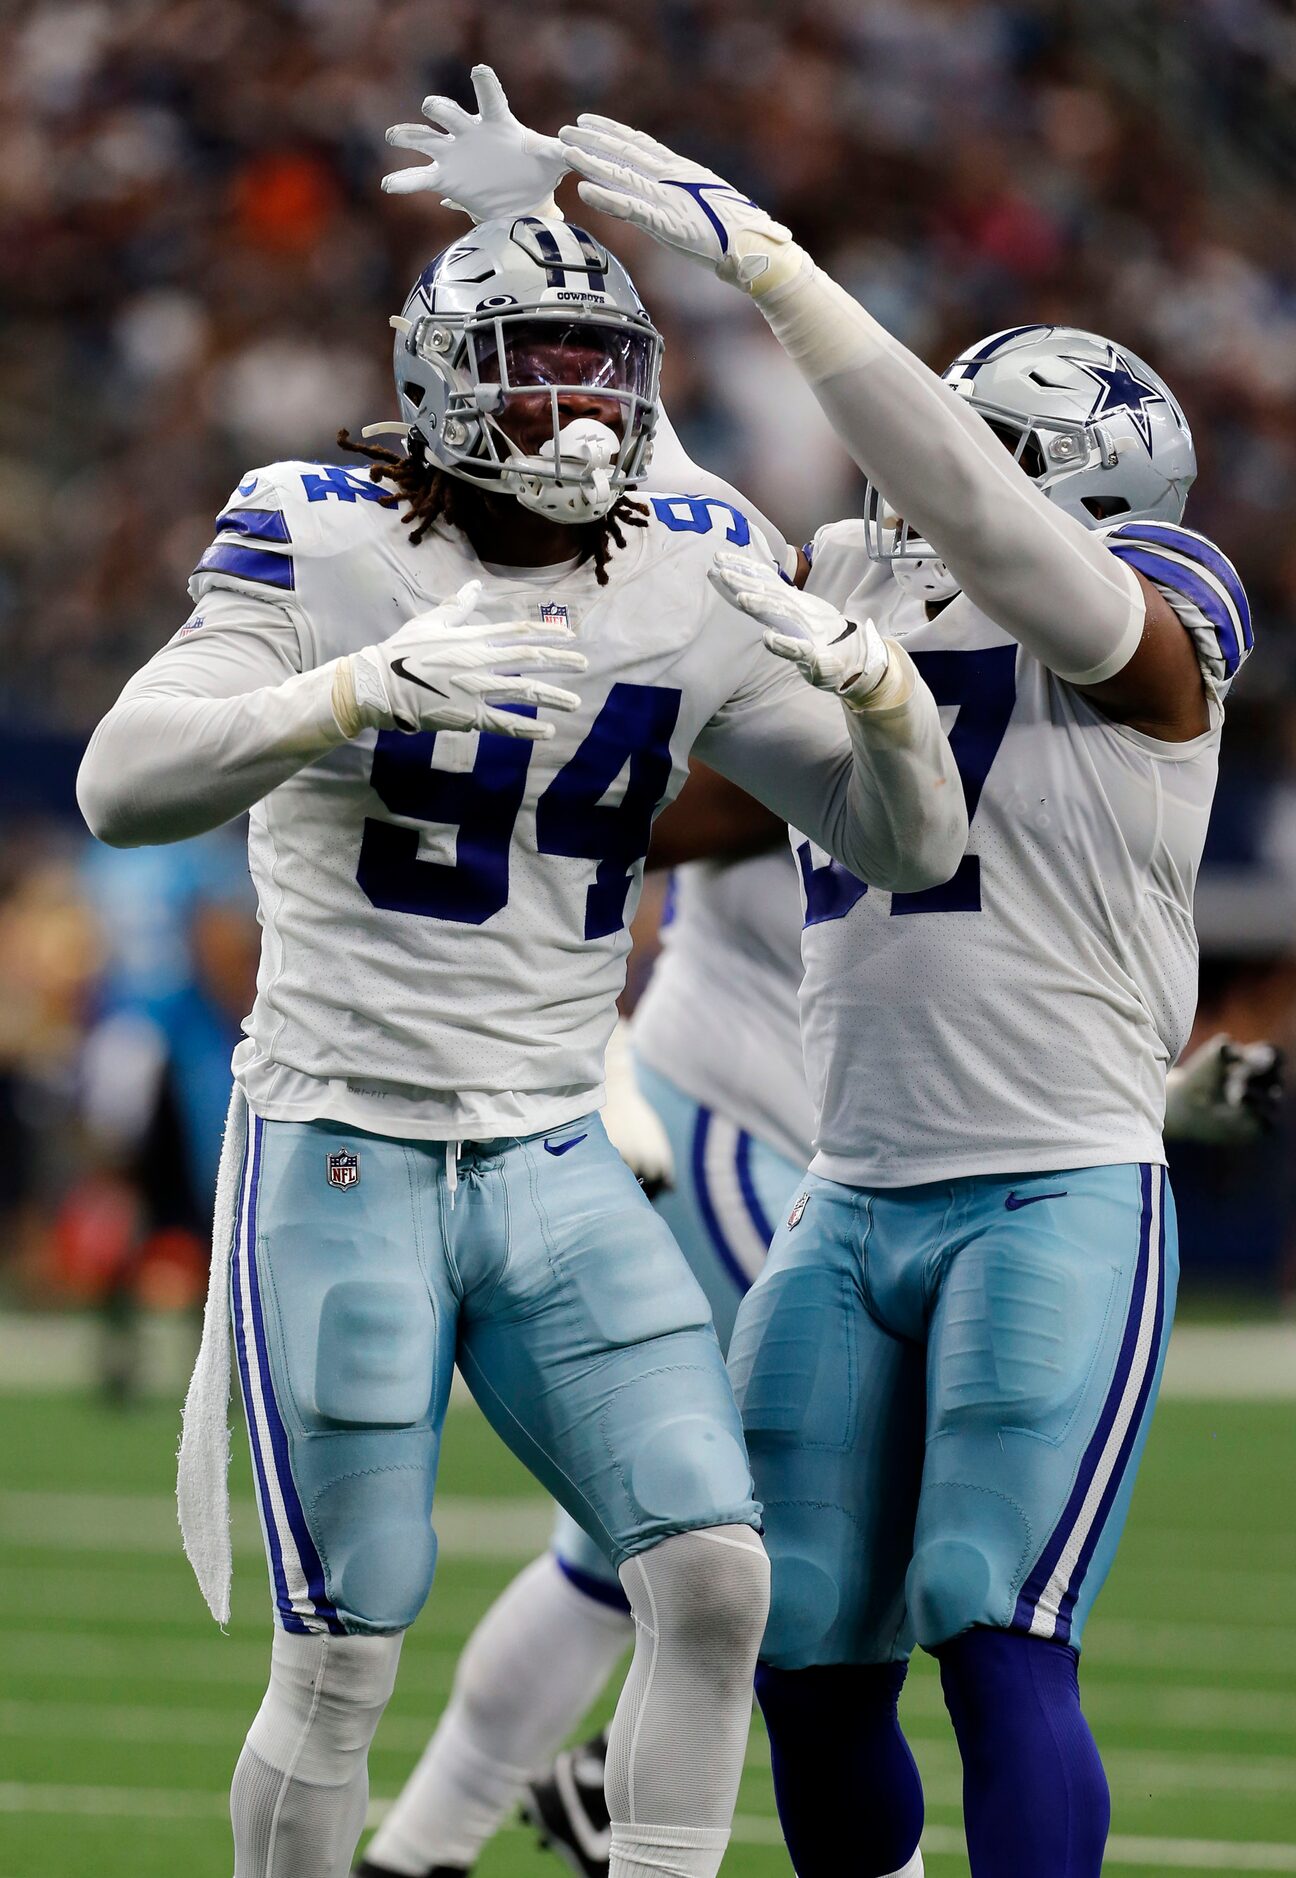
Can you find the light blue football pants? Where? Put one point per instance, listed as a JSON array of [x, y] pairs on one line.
[[946, 1390], [729, 1191], [545, 1274]]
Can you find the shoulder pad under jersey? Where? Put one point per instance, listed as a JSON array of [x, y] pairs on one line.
[[278, 513], [1200, 583], [724, 524]]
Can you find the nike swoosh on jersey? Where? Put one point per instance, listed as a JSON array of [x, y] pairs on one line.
[[399, 667], [1014, 1205], [561, 1147]]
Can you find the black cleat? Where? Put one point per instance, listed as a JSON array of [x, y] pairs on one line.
[[569, 1810]]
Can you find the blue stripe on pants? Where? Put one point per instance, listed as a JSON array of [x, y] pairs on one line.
[[311, 1564], [1136, 1363]]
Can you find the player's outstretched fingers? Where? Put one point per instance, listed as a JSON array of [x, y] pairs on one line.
[[611, 202], [738, 578], [613, 137], [608, 170], [541, 658], [491, 101], [417, 137], [509, 724], [445, 112], [409, 182], [511, 690]]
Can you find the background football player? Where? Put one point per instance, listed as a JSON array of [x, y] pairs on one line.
[[414, 1172]]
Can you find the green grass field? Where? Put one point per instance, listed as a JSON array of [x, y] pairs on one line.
[[122, 1708]]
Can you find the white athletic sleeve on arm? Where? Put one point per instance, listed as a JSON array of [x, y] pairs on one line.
[[1034, 570], [216, 720], [876, 788]]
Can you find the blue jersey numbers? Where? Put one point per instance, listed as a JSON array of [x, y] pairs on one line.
[[983, 684], [583, 813], [692, 515]]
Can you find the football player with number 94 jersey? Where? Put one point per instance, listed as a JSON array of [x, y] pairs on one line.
[[447, 846]]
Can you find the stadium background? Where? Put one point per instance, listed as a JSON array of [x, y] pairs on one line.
[[195, 273]]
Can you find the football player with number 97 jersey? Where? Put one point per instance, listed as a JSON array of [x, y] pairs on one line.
[[447, 846], [948, 1365]]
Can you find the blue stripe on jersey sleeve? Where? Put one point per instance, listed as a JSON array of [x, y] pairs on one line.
[[256, 524], [259, 564], [1195, 547], [1160, 568]]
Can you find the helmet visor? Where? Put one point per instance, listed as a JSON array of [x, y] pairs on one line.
[[537, 354]]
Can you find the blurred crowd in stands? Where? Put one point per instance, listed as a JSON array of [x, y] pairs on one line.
[[196, 269]]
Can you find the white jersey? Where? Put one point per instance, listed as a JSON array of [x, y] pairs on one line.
[[445, 915], [1023, 1016], [719, 1017]]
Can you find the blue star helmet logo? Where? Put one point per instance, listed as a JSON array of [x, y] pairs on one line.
[[1121, 389]]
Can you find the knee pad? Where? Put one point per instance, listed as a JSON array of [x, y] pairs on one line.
[[324, 1701], [693, 1467], [949, 1587], [973, 1546], [375, 1358], [381, 1546], [805, 1589]]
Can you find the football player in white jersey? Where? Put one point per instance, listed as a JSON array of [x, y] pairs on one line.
[[446, 849], [717, 1078], [948, 1365]]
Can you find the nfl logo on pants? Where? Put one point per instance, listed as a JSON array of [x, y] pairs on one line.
[[343, 1169]]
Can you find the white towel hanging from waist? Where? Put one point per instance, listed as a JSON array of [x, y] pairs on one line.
[[202, 1481]]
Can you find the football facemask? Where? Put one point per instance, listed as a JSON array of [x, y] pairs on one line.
[[525, 363]]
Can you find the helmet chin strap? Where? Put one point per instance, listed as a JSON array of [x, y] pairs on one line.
[[582, 454]]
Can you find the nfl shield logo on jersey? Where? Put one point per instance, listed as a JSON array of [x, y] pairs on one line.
[[552, 614], [794, 1217], [343, 1169]]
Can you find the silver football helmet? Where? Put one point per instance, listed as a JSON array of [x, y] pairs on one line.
[[1096, 430], [523, 307]]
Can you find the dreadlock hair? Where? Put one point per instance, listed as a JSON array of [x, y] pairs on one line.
[[433, 496]]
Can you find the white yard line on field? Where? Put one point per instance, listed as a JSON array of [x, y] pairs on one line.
[[158, 1803], [1232, 1362], [1132, 1771], [504, 1527]]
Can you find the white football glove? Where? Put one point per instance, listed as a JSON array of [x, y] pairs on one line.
[[488, 165], [1225, 1093], [436, 673], [632, 176], [633, 1125], [829, 650]]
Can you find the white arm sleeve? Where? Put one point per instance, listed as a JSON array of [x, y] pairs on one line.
[[213, 722], [877, 789], [1034, 570]]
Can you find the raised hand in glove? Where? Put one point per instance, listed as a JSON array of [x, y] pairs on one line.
[[632, 176], [489, 165]]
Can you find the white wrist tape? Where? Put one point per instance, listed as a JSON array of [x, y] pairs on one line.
[[894, 688]]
